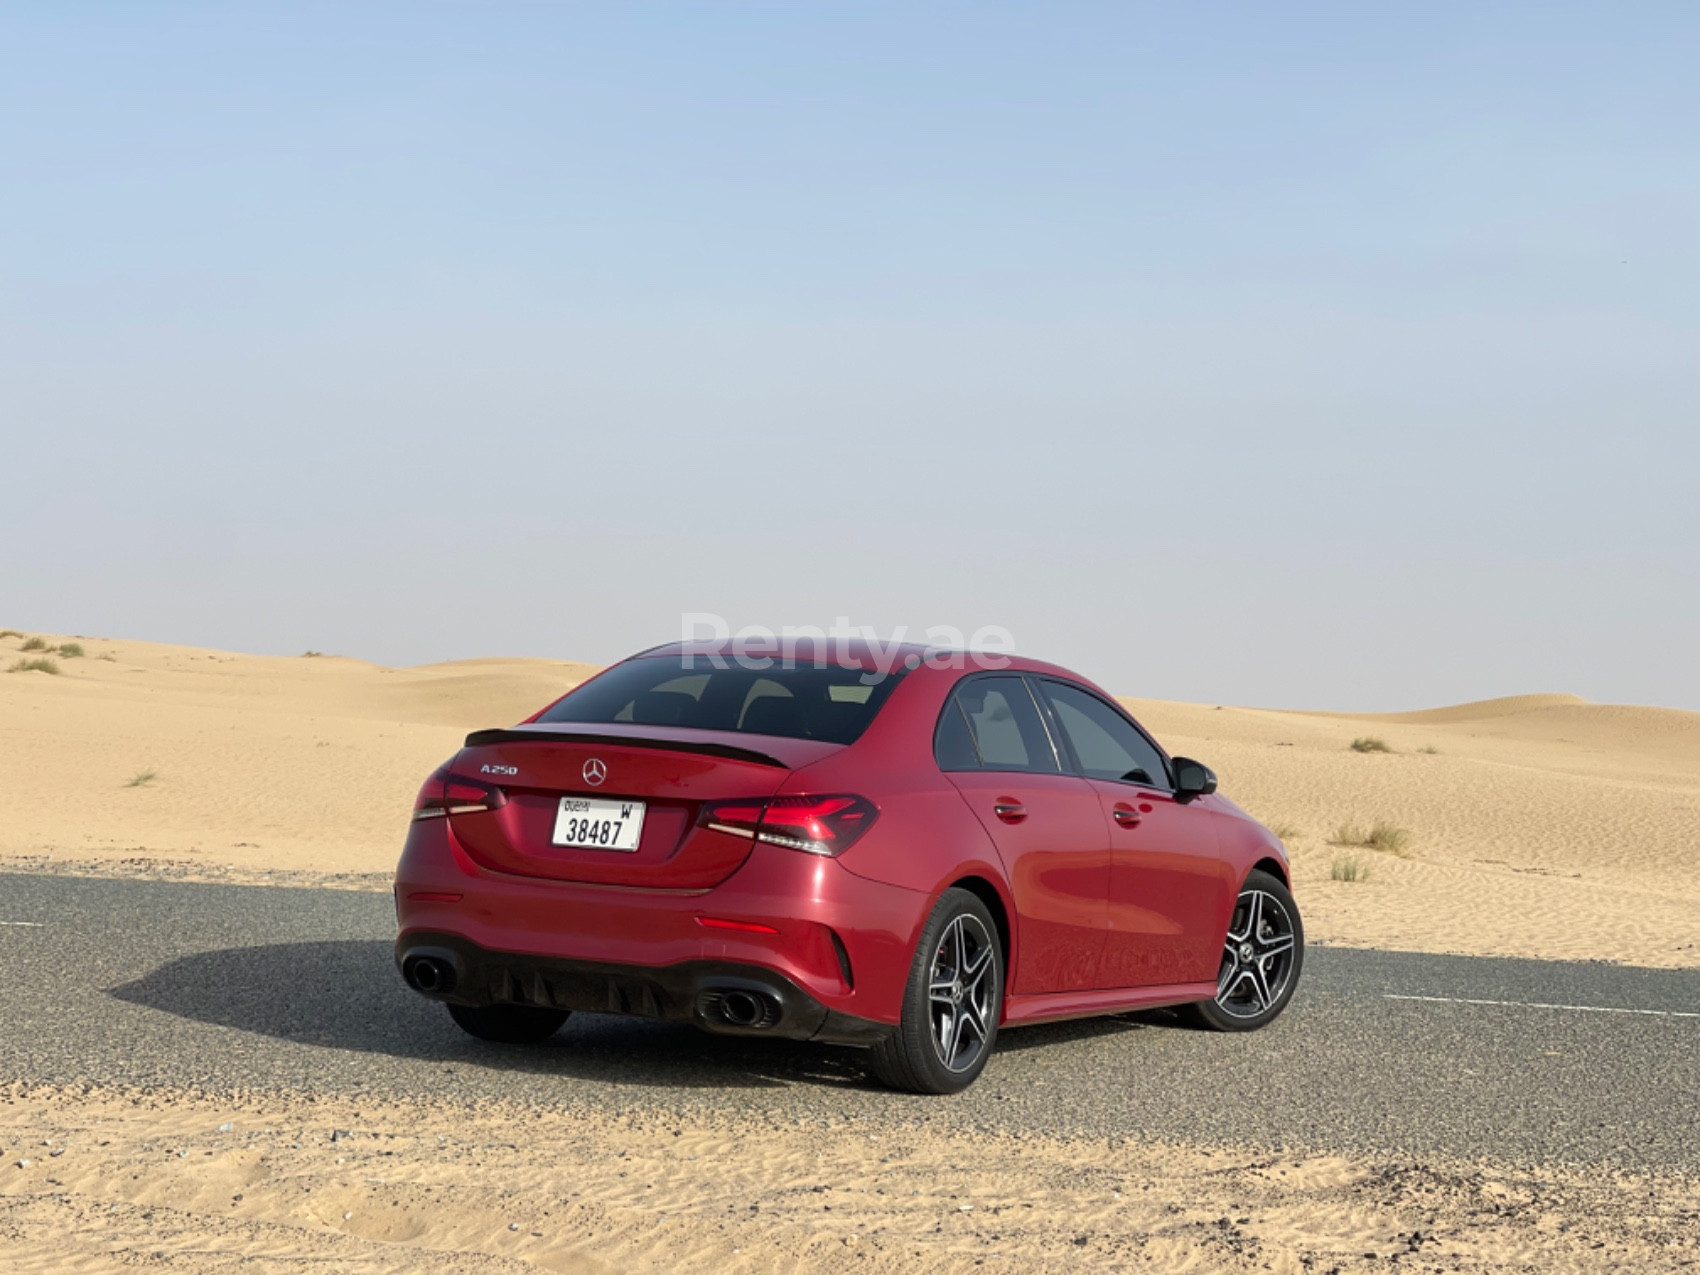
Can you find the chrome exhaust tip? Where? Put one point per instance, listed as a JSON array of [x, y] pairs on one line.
[[739, 1007], [429, 975]]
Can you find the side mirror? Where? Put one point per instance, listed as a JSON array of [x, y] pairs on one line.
[[1193, 779]]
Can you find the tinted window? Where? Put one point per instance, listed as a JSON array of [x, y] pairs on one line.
[[1006, 725], [953, 746], [831, 704], [1108, 745]]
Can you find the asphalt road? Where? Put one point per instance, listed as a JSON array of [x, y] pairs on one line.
[[257, 988]]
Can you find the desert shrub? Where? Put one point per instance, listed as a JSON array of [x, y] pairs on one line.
[[71, 650], [33, 644], [6, 633], [34, 666], [1370, 744], [1388, 837], [1348, 868], [1284, 830], [311, 655], [1429, 749], [142, 778]]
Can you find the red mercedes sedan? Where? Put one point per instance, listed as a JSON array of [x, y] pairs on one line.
[[900, 849]]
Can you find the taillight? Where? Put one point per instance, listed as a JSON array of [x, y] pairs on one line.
[[446, 794], [827, 825], [819, 825], [737, 817]]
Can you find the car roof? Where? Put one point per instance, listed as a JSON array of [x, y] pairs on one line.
[[849, 652]]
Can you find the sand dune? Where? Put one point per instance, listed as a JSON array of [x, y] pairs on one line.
[[1475, 710], [260, 762], [1540, 825]]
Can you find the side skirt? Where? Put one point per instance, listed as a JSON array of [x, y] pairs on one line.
[[1049, 1007]]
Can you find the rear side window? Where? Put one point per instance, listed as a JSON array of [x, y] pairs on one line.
[[1107, 744], [831, 704], [953, 746], [1007, 730]]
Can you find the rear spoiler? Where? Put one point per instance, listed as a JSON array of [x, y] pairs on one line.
[[520, 735]]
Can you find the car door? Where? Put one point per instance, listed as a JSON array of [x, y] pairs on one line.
[[1168, 881], [1047, 825]]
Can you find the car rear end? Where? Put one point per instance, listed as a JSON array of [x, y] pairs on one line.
[[651, 845]]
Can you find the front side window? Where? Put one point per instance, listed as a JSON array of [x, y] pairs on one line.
[[1107, 744], [1008, 732]]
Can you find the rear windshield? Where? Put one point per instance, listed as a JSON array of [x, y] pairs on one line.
[[832, 704]]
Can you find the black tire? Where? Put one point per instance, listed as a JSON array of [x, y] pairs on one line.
[[508, 1024], [1258, 975], [959, 938]]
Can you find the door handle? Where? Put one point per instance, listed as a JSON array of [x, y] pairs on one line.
[[1126, 816], [1009, 810]]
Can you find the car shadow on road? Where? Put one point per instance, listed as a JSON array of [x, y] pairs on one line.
[[347, 995]]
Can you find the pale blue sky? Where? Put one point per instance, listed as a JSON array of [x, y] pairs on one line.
[[1329, 356]]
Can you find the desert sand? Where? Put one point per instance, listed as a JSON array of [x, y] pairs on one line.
[[1539, 826], [260, 763], [100, 1181]]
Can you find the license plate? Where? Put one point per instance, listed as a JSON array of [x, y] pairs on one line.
[[599, 825]]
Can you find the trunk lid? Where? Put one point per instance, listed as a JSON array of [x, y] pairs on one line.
[[675, 772]]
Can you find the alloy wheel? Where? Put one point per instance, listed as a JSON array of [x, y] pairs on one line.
[[1257, 958], [962, 993]]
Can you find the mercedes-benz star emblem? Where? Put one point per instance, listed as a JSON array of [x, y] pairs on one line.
[[594, 772]]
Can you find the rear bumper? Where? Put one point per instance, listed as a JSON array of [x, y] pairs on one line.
[[718, 996], [843, 944]]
